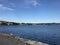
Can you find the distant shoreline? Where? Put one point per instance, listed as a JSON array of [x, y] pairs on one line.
[[6, 23]]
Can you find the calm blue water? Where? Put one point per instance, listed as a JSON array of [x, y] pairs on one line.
[[46, 34]]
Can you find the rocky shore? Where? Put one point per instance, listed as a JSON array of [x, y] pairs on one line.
[[10, 39]]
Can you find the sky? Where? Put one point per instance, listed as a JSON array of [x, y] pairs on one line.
[[30, 11]]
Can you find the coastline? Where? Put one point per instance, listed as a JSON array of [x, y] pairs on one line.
[[7, 23], [10, 39]]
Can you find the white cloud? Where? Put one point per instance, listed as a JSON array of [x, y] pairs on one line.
[[2, 7], [23, 3], [34, 3]]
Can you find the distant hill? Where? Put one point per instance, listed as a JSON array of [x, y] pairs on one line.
[[14, 23], [8, 23]]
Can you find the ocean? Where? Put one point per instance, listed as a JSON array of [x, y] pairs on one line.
[[47, 34]]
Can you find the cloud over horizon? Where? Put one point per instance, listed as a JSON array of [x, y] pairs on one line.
[[2, 7], [31, 3], [6, 5], [11, 4]]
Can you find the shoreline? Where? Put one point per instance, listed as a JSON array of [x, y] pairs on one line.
[[8, 23], [16, 40]]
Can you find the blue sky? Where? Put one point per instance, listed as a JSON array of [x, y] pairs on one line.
[[30, 11]]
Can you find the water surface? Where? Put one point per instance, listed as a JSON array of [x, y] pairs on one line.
[[46, 34]]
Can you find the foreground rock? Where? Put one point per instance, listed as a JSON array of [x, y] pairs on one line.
[[9, 39]]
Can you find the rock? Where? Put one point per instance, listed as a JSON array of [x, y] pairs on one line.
[[6, 39]]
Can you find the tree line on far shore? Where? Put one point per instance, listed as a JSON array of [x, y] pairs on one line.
[[13, 23]]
